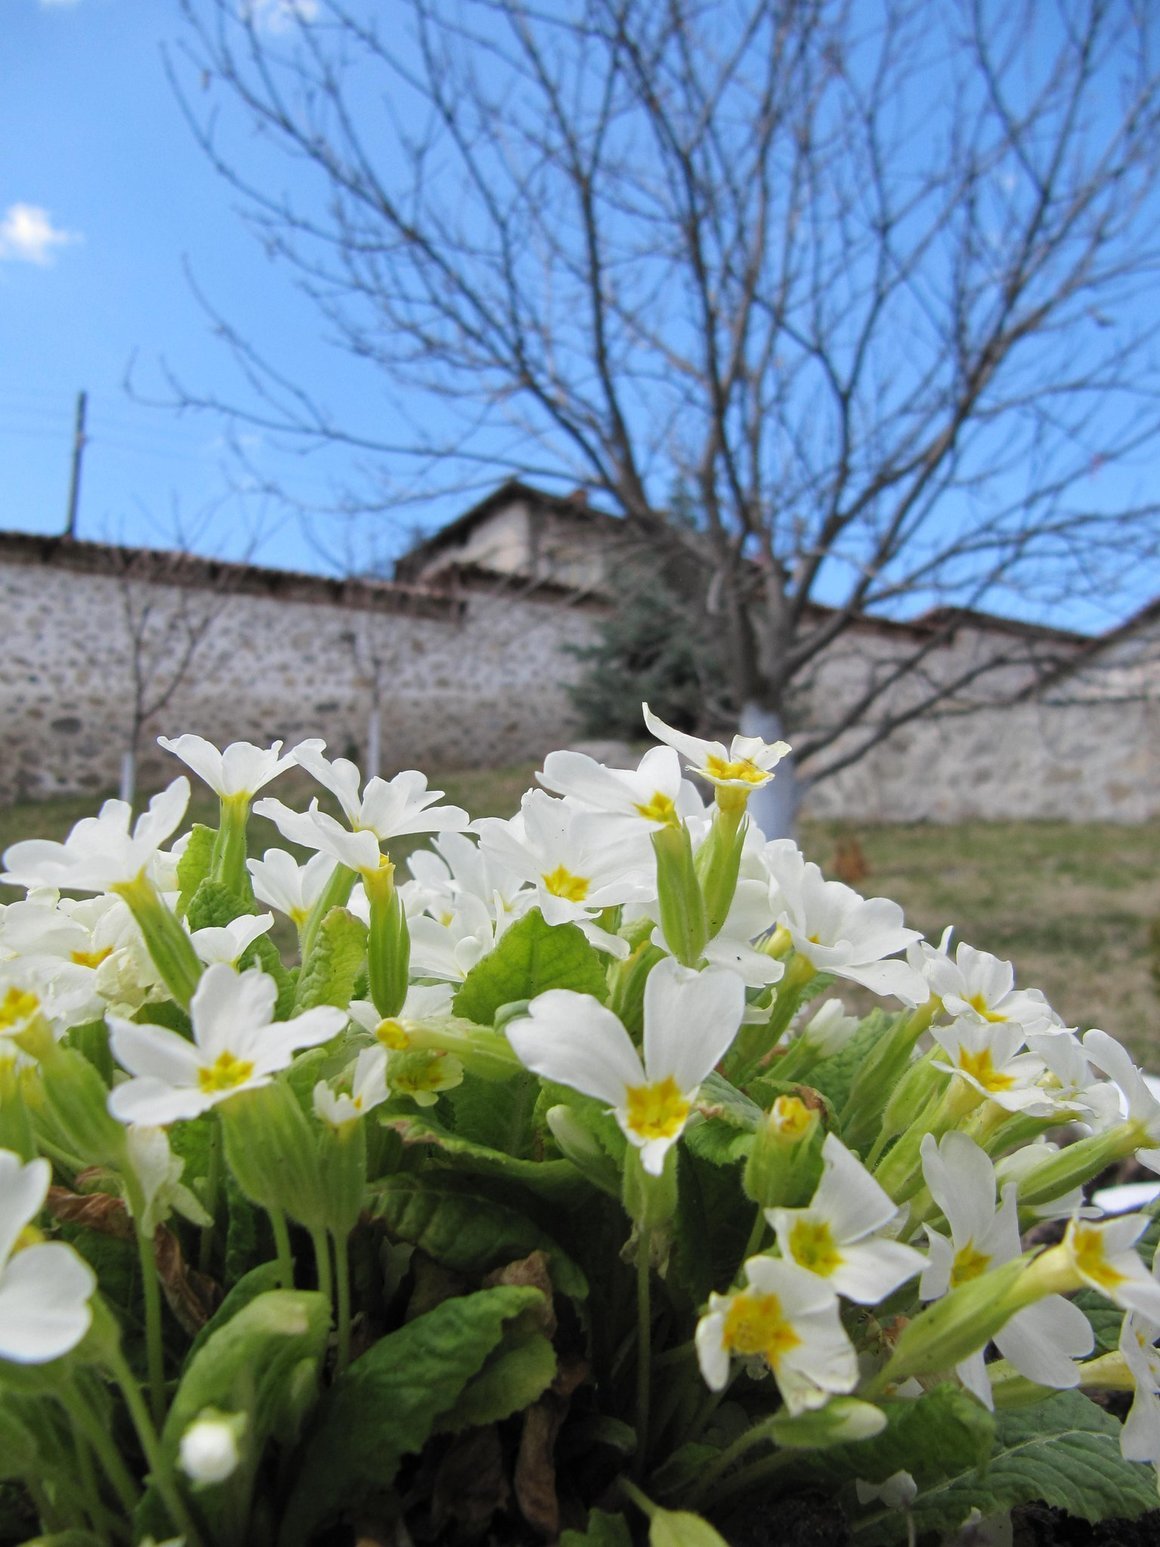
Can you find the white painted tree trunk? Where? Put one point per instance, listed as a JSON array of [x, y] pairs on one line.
[[374, 740], [774, 807], [128, 776]]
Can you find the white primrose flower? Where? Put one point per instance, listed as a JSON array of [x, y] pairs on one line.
[[425, 1003], [829, 1028], [838, 931], [1071, 1081], [456, 870], [898, 1491], [237, 1045], [290, 888], [228, 942], [1103, 1255], [368, 1090], [158, 1170], [731, 947], [100, 852], [787, 1318], [1139, 1105], [746, 764], [1042, 1340], [652, 795], [690, 1019], [450, 946], [45, 1286], [979, 986], [26, 996], [241, 769], [386, 809], [838, 1236], [987, 1057], [576, 864]]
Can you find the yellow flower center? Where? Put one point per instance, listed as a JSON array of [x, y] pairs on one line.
[[92, 958], [980, 1005], [418, 1073], [749, 773], [980, 1067], [790, 1120], [657, 1111], [1087, 1246], [391, 1034], [225, 1073], [562, 883], [16, 1006], [968, 1264], [29, 1236], [754, 1324], [659, 809], [811, 1242], [298, 916]]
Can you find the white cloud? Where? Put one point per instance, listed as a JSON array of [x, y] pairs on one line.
[[27, 234], [274, 15]]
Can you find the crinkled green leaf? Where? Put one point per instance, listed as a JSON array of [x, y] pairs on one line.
[[501, 1121], [943, 1430], [556, 1180], [603, 1531], [389, 1401], [336, 959], [461, 1227], [531, 957], [1064, 1452], [719, 1142], [214, 905], [1106, 1319], [519, 1371], [834, 1077], [718, 1099], [194, 865]]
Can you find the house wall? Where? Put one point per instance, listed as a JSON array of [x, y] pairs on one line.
[[482, 682]]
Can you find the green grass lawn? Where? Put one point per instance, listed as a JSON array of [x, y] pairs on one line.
[[1070, 905]]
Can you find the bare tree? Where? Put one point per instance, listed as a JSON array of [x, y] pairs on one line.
[[869, 278]]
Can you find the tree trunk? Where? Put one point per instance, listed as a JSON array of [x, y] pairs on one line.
[[774, 807], [128, 775]]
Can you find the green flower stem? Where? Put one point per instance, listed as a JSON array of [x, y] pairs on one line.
[[745, 1478], [228, 861], [335, 895], [161, 1472], [101, 1518], [321, 1243], [756, 1236], [154, 1349], [98, 1436], [50, 1516], [342, 1297], [211, 1195], [643, 1347], [282, 1248]]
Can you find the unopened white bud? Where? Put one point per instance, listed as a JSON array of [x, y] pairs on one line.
[[209, 1449]]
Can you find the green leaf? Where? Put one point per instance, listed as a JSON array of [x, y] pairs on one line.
[[1106, 1319], [214, 905], [603, 1531], [531, 957], [464, 1229], [194, 865], [257, 1281], [834, 1077], [518, 1372], [328, 975], [556, 1180], [943, 1430], [263, 953], [389, 1401], [718, 1142], [1064, 1452], [681, 1528], [717, 1098]]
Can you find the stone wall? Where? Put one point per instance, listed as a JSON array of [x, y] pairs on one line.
[[478, 679], [472, 681]]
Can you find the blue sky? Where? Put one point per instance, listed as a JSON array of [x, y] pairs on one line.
[[104, 200]]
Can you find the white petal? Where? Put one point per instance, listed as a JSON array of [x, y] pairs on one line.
[[155, 1104], [690, 1020], [227, 1004], [23, 1189], [871, 1270], [851, 1200], [574, 1040], [154, 1050], [1039, 1340], [44, 1310]]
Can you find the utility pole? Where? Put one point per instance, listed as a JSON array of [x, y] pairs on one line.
[[74, 486]]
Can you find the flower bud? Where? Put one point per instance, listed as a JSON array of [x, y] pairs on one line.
[[389, 942], [842, 1419], [682, 906], [271, 1150], [208, 1450], [784, 1164], [718, 864], [76, 1099], [169, 945], [953, 1328], [583, 1150]]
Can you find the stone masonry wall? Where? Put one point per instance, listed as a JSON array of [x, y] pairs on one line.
[[474, 683], [469, 682]]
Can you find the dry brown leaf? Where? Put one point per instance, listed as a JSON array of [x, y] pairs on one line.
[[94, 1211], [470, 1486]]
